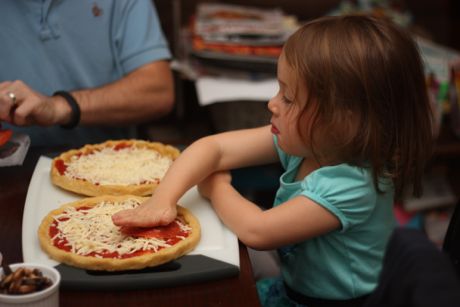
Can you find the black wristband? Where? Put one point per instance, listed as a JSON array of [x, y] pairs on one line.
[[75, 113]]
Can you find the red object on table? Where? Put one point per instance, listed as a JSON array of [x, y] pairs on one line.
[[5, 136]]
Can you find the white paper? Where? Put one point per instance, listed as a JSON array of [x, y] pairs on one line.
[[437, 58], [213, 90]]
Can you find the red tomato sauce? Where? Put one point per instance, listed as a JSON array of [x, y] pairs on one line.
[[122, 146], [169, 233], [60, 166]]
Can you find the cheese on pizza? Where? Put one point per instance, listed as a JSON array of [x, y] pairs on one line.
[[83, 234], [114, 167]]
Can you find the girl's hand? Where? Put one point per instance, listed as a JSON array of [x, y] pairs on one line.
[[208, 185], [147, 214]]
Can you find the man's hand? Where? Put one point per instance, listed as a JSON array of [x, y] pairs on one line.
[[30, 107]]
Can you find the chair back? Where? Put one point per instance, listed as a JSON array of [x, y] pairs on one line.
[[415, 273], [451, 245]]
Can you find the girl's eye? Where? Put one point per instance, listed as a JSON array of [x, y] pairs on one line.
[[285, 99]]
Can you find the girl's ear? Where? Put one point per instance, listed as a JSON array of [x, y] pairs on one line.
[[345, 127], [352, 123]]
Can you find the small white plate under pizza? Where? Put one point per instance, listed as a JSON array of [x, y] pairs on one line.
[[215, 256]]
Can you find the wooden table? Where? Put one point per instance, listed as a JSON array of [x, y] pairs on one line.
[[234, 291]]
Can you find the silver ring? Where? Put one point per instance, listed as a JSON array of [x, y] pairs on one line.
[[12, 97]]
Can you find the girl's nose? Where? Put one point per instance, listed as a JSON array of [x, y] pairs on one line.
[[272, 105]]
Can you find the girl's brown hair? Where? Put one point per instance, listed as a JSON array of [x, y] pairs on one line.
[[367, 93]]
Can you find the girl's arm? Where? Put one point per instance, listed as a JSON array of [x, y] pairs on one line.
[[295, 220], [210, 154]]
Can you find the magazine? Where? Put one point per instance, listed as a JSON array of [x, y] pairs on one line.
[[224, 23]]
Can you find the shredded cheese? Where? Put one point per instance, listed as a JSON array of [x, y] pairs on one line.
[[92, 231], [126, 166]]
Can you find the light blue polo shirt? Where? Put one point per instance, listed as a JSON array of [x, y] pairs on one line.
[[344, 263], [75, 44]]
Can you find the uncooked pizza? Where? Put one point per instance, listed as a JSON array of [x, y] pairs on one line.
[[113, 168], [82, 234]]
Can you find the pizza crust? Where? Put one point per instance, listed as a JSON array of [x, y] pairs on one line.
[[110, 264], [88, 188]]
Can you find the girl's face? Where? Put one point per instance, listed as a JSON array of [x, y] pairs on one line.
[[285, 107]]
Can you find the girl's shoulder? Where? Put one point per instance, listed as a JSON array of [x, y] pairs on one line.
[[340, 177], [344, 170]]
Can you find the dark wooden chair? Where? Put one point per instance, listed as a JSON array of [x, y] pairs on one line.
[[416, 273], [451, 245]]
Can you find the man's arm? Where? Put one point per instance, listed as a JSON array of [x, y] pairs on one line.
[[146, 93]]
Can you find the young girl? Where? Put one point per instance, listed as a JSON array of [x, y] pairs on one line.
[[351, 125]]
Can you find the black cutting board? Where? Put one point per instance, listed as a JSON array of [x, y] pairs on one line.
[[185, 270]]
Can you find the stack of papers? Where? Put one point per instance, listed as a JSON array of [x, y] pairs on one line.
[[240, 30], [238, 24]]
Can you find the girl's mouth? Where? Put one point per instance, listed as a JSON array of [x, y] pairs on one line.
[[274, 130]]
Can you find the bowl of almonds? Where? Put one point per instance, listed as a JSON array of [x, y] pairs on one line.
[[29, 284]]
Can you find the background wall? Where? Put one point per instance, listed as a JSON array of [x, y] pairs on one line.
[[439, 19]]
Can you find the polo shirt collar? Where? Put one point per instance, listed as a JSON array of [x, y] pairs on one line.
[[47, 29]]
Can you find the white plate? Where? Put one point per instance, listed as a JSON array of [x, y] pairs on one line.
[[217, 241]]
